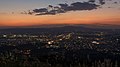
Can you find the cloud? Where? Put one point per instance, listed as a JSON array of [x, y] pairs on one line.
[[92, 1], [41, 10], [115, 2], [102, 2], [63, 8], [82, 6], [28, 12]]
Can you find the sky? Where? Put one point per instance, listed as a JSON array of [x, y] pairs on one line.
[[38, 12]]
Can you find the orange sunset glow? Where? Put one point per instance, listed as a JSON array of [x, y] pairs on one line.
[[103, 16]]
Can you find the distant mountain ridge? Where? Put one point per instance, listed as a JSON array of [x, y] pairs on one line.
[[61, 28], [104, 26]]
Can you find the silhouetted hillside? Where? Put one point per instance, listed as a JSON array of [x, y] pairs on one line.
[[60, 29]]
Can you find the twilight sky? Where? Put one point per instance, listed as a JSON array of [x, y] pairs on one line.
[[37, 12]]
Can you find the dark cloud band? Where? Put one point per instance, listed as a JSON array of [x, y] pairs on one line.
[[63, 8]]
